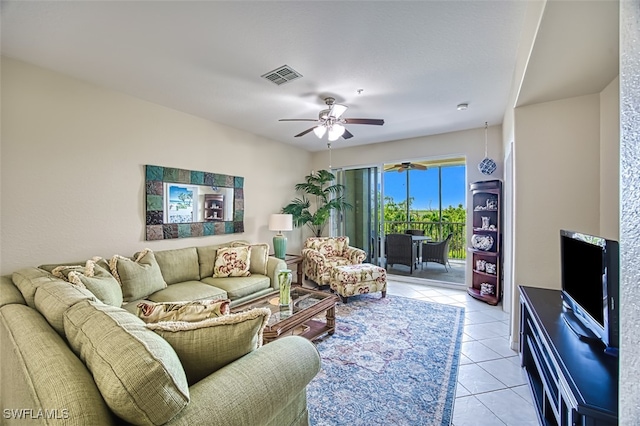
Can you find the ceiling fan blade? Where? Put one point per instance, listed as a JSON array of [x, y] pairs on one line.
[[375, 121], [347, 134], [305, 132], [298, 119], [337, 110], [419, 166]]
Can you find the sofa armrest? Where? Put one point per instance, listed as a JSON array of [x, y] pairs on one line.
[[355, 255], [274, 266], [313, 256], [255, 388]]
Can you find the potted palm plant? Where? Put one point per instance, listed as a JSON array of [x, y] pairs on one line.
[[327, 196]]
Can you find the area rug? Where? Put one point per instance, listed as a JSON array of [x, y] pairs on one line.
[[391, 361]]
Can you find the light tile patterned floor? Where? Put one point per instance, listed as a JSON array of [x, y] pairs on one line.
[[492, 388]]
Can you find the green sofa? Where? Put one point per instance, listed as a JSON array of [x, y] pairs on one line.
[[68, 358]]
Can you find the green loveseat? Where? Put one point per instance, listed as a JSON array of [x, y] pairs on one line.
[[68, 358]]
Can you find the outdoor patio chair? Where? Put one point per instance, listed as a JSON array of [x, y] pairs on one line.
[[437, 252], [401, 250]]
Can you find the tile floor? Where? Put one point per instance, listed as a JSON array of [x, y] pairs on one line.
[[492, 388]]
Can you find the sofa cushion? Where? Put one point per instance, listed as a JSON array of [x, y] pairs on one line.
[[192, 311], [54, 298], [137, 372], [178, 265], [40, 372], [206, 259], [237, 287], [139, 277], [95, 277], [259, 256], [190, 290], [28, 280], [208, 345], [9, 293], [232, 262]]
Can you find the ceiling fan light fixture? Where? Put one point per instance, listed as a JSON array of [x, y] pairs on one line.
[[319, 131], [337, 110], [462, 107], [335, 132]]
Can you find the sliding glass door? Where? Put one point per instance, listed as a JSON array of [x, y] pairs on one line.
[[361, 223]]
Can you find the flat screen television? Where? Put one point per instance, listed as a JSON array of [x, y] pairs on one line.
[[590, 286]]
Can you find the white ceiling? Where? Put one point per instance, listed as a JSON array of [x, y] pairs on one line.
[[414, 60]]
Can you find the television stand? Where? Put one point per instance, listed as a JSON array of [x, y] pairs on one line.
[[572, 381], [582, 332]]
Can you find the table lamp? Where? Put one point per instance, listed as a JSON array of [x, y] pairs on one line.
[[280, 222]]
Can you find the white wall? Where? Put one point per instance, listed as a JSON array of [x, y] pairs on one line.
[[610, 161], [73, 157], [557, 160], [469, 144]]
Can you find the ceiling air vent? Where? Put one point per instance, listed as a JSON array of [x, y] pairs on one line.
[[282, 75]]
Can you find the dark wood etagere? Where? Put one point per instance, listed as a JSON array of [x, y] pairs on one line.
[[213, 207], [486, 243]]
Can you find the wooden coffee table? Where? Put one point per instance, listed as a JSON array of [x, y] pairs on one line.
[[298, 319]]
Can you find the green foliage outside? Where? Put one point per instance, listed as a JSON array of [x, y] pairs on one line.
[[453, 221]]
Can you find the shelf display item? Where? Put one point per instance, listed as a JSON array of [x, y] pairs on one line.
[[487, 289], [482, 242]]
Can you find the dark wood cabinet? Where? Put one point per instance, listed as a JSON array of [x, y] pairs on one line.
[[486, 241], [573, 382], [214, 207]]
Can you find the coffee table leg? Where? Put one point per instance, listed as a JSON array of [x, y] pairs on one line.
[[331, 320]]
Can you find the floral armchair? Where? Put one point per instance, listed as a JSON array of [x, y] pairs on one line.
[[321, 254]]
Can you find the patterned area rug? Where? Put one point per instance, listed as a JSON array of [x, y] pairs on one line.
[[392, 361]]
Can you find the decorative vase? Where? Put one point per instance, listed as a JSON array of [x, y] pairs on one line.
[[284, 281], [280, 245], [485, 222]]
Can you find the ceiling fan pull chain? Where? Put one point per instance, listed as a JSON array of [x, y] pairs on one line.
[[329, 146]]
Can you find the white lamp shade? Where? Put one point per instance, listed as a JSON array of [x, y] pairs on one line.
[[335, 132], [281, 222], [319, 131]]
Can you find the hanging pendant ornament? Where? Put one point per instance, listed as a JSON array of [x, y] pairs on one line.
[[487, 165]]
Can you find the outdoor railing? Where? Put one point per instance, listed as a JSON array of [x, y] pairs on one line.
[[437, 231]]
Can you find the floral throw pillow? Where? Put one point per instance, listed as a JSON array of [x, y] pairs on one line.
[[232, 262], [258, 258], [196, 310]]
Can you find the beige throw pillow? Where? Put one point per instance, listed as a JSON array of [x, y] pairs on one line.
[[95, 277], [232, 262], [206, 346], [259, 257], [197, 310], [139, 277]]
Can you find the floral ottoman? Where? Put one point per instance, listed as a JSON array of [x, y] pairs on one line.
[[349, 280]]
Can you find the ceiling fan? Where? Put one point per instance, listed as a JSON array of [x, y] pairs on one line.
[[401, 167], [330, 121]]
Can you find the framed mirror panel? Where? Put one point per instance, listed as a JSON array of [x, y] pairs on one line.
[[187, 203]]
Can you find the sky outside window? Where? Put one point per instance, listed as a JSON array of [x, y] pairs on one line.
[[424, 187]]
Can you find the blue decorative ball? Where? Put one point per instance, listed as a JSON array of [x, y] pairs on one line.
[[487, 166]]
